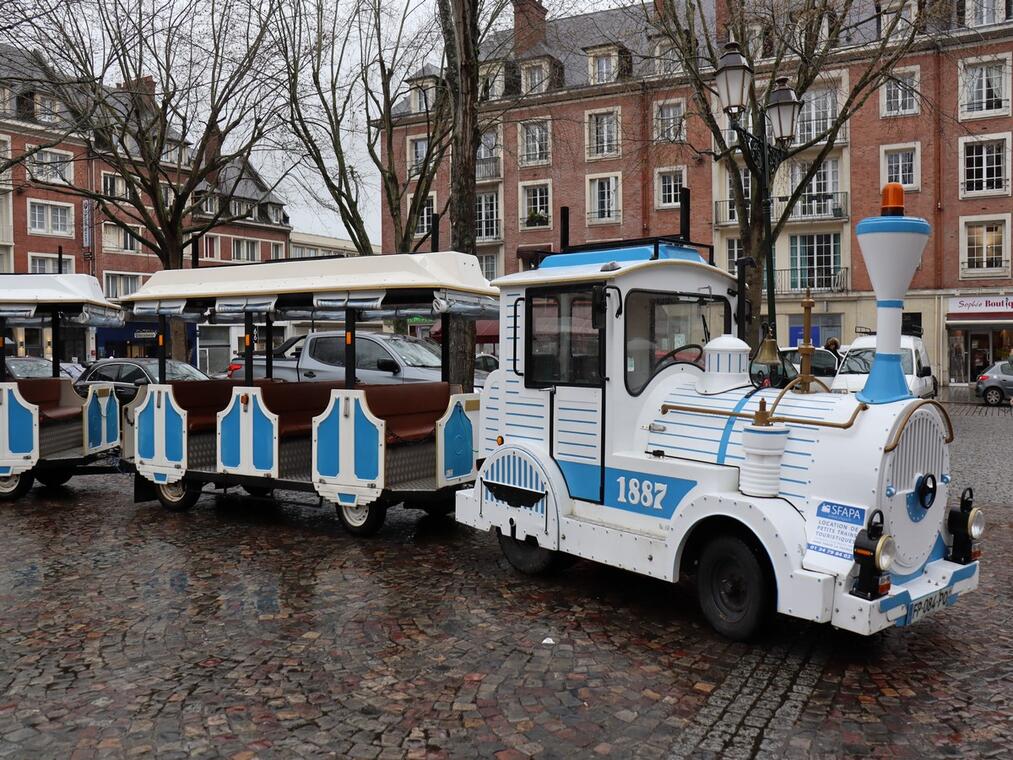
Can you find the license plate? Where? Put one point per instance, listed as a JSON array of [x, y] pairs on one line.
[[927, 605]]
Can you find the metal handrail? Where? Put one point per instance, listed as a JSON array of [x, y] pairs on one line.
[[762, 413], [895, 441]]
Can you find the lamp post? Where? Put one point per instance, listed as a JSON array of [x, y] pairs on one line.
[[734, 79]]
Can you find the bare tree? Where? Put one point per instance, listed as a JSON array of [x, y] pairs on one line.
[[807, 41]]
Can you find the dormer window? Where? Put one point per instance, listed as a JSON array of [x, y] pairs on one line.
[[424, 96], [47, 109], [667, 62], [6, 101], [536, 78], [490, 82], [604, 66]]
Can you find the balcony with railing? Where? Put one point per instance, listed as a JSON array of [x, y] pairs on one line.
[[605, 216], [487, 230], [536, 220], [984, 268], [818, 279], [725, 212], [487, 168], [814, 207]]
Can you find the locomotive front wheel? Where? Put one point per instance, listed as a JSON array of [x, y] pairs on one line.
[[13, 487], [363, 519], [527, 556], [733, 588], [54, 478], [177, 497]]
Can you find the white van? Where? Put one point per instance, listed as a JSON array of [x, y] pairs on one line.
[[854, 370]]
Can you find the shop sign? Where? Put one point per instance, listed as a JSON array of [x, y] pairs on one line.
[[978, 304], [144, 334]]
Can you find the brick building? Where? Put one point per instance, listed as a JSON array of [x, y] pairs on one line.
[[591, 113], [38, 221]]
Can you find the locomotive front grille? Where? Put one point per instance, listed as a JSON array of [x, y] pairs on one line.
[[921, 450]]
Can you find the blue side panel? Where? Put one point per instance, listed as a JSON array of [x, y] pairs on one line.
[[329, 444], [660, 499], [367, 446], [146, 430], [458, 439], [263, 438], [230, 436], [112, 419], [94, 422], [583, 480], [173, 433], [19, 426]]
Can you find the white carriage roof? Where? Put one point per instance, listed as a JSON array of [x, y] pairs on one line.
[[444, 271], [52, 290], [597, 272]]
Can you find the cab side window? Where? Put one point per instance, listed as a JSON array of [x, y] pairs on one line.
[[328, 350], [367, 353], [562, 346]]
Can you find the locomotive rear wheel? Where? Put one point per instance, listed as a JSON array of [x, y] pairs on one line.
[[363, 520], [177, 497], [259, 492], [528, 557], [13, 487], [54, 478], [733, 588]]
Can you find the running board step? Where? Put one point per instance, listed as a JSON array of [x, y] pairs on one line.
[[619, 547]]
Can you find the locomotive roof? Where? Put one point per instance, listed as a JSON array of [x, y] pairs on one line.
[[608, 264]]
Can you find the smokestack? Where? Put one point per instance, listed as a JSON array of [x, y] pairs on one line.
[[892, 246]]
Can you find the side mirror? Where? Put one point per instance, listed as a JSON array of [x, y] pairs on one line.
[[925, 372], [388, 365], [599, 307]]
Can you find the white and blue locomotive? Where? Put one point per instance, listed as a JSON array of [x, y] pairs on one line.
[[623, 427]]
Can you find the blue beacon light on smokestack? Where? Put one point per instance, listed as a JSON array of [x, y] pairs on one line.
[[892, 246]]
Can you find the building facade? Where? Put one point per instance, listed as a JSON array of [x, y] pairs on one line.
[[591, 113]]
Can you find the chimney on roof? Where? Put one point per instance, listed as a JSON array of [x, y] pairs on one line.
[[144, 85], [529, 25]]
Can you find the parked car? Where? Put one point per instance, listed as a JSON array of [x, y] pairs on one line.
[[22, 367], [914, 359], [74, 369], [381, 358], [995, 384], [486, 363], [127, 374], [825, 363]]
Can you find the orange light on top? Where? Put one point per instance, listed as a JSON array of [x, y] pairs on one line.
[[893, 199], [348, 339]]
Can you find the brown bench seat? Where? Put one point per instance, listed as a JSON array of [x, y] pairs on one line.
[[202, 400], [410, 409], [296, 404], [46, 393]]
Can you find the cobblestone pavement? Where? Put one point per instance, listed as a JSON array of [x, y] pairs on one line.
[[983, 454], [248, 629]]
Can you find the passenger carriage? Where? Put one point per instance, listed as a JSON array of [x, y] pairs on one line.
[[48, 433], [362, 447], [623, 426]]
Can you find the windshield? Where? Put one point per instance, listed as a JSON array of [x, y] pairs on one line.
[[859, 361], [175, 370], [23, 367], [414, 352]]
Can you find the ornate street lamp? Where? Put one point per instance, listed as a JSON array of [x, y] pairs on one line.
[[734, 79]]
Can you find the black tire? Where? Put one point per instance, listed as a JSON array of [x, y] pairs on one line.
[[259, 492], [363, 520], [528, 557], [54, 478], [13, 487], [734, 588], [179, 496], [992, 396]]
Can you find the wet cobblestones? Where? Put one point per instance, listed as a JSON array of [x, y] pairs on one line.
[[247, 629]]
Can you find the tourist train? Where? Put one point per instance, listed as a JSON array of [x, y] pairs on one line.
[[627, 424]]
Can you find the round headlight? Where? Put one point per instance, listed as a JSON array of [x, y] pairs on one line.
[[886, 550], [976, 524]]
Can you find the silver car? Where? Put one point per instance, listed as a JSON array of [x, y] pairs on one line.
[[995, 384]]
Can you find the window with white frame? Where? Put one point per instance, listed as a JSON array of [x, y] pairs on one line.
[[5, 152], [244, 249], [666, 62], [241, 208], [48, 165], [277, 251], [490, 265], [49, 263], [817, 115], [745, 181], [536, 78], [900, 93], [535, 205], [603, 199], [820, 196], [425, 220], [113, 185], [603, 66], [984, 245], [985, 12], [121, 284], [490, 82], [424, 96], [488, 144], [815, 260], [304, 252], [984, 164], [418, 153], [487, 215], [901, 163], [47, 109], [668, 182], [669, 120], [603, 134], [733, 247], [211, 247], [890, 24], [50, 218], [6, 101], [535, 144], [984, 86], [116, 238]]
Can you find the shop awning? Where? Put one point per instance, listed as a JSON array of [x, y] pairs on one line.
[[486, 331]]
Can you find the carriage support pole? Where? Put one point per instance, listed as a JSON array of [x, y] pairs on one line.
[[163, 323], [3, 349], [269, 357], [56, 342], [248, 348], [445, 348], [350, 316]]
